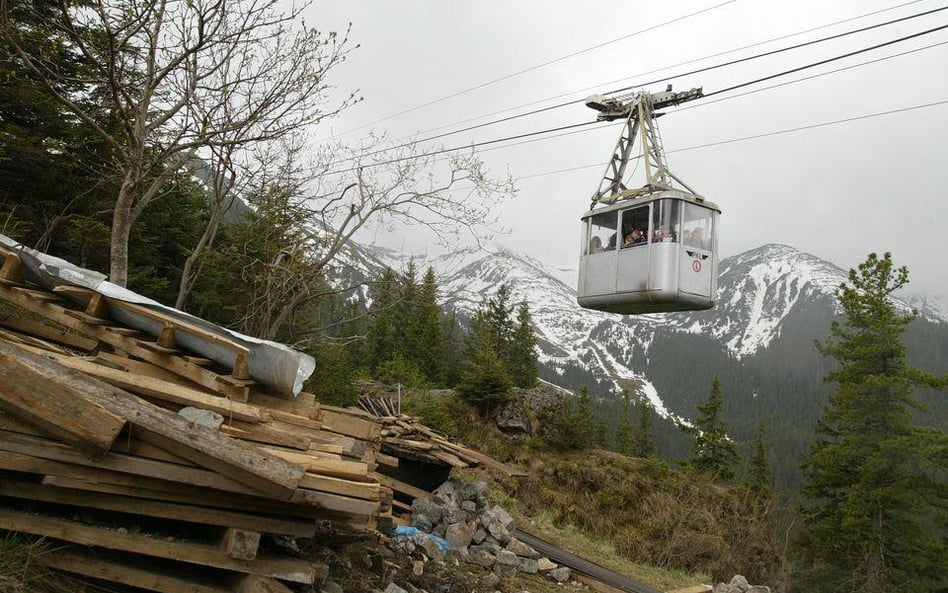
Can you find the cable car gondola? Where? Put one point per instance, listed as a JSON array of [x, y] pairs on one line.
[[651, 249]]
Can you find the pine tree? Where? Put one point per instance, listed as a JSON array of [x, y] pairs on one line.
[[484, 379], [876, 502], [713, 453], [498, 310], [761, 478], [643, 444], [454, 343], [382, 335], [430, 354], [522, 361], [573, 424]]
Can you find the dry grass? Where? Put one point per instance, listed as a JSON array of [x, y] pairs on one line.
[[21, 571]]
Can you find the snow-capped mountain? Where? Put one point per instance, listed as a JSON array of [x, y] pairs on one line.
[[773, 302]]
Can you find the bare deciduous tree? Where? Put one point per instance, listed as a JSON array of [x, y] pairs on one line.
[[180, 77], [447, 194]]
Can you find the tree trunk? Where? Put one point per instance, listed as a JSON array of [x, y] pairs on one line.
[[121, 228]]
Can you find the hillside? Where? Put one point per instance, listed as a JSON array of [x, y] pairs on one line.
[[773, 302]]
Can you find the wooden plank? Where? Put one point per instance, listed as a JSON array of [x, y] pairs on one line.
[[199, 444], [163, 390], [259, 433], [252, 583], [82, 562], [357, 425], [12, 268], [296, 571], [399, 486], [54, 333], [44, 449], [303, 405], [142, 368], [94, 479], [153, 508], [339, 468], [240, 544], [31, 392], [363, 490], [54, 308]]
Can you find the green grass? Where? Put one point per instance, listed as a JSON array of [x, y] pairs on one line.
[[22, 572]]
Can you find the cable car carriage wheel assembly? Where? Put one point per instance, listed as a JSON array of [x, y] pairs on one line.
[[650, 249]]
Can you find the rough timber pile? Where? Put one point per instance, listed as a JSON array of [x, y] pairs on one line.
[[153, 466]]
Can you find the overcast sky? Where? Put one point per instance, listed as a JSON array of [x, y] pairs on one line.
[[837, 191]]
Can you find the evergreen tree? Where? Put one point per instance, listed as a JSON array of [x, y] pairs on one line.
[[430, 338], [484, 379], [713, 453], [382, 336], [625, 439], [407, 330], [876, 502], [572, 424], [643, 444], [498, 310], [522, 361], [761, 478], [453, 349]]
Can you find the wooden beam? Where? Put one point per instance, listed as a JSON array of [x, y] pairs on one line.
[[163, 390], [48, 331], [240, 544], [296, 571], [12, 268], [54, 308], [206, 447], [252, 583], [44, 449], [31, 392], [363, 490], [153, 508], [78, 561]]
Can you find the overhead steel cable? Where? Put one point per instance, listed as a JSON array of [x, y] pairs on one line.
[[680, 75], [572, 126], [458, 148], [685, 63], [755, 136], [538, 66], [783, 49]]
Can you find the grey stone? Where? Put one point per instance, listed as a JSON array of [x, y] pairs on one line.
[[393, 588], [759, 589], [427, 507], [207, 418], [473, 491], [561, 574], [455, 515], [469, 506], [546, 565], [740, 583], [507, 558], [502, 515], [521, 549], [440, 529], [505, 570], [423, 522], [490, 547], [446, 495], [429, 545], [529, 565], [499, 532], [458, 535], [481, 558], [479, 535], [512, 418]]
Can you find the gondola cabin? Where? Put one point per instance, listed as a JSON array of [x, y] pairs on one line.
[[650, 254]]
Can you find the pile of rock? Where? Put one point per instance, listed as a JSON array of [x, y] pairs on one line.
[[739, 584], [457, 520]]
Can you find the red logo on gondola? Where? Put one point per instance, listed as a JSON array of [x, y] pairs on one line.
[[696, 265]]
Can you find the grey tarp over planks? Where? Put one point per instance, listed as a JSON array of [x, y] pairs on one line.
[[275, 365]]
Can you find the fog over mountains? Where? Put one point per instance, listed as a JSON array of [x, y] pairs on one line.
[[773, 302]]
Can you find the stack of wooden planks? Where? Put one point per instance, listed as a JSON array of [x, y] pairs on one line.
[[155, 468], [404, 436]]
